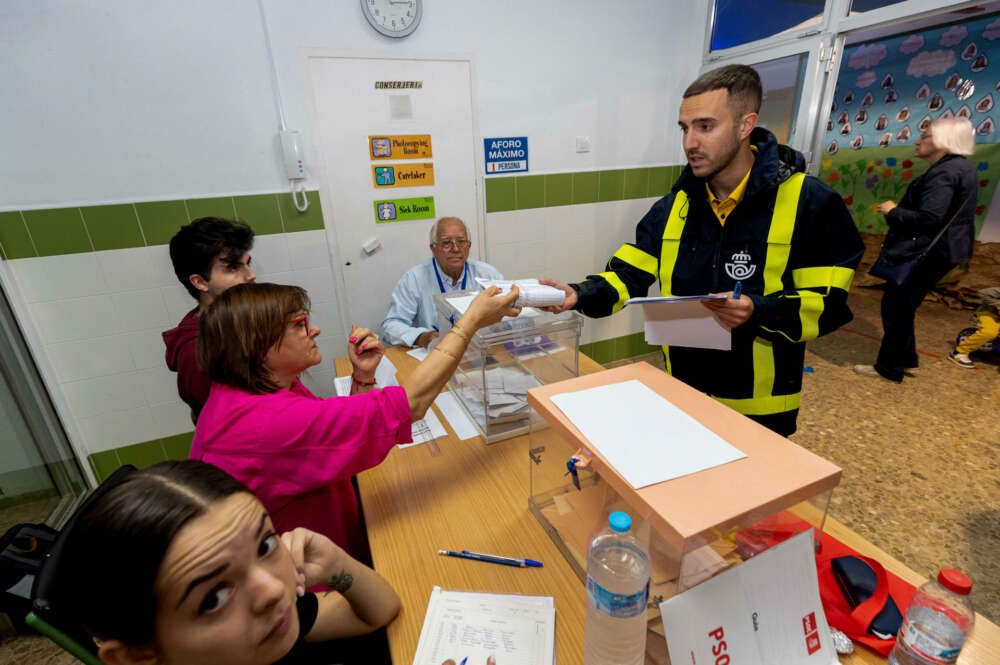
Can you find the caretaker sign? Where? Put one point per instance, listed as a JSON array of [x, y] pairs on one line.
[[506, 155]]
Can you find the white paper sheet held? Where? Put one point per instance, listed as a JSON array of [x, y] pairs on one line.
[[530, 292], [470, 627], [455, 415], [683, 321], [766, 610], [643, 436]]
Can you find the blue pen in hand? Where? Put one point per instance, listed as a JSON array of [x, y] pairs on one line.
[[738, 291]]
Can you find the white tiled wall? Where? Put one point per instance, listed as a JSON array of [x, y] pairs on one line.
[[568, 243], [99, 317]]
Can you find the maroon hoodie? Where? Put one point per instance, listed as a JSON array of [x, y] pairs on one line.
[[182, 347]]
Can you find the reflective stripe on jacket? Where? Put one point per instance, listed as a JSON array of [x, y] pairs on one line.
[[792, 243]]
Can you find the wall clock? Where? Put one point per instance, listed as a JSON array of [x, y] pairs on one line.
[[393, 18]]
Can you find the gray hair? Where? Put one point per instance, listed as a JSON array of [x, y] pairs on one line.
[[434, 228], [954, 135]]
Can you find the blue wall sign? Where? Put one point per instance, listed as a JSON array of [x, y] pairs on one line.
[[506, 155]]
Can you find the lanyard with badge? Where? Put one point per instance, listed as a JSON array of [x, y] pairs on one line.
[[465, 274]]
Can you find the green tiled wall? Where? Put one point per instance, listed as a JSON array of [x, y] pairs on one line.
[[141, 455], [618, 348], [30, 233], [560, 189]]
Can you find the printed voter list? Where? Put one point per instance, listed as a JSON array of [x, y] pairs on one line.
[[506, 155]]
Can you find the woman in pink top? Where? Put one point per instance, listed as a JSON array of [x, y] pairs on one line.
[[294, 450]]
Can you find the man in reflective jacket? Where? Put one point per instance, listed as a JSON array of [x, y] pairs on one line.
[[743, 210]]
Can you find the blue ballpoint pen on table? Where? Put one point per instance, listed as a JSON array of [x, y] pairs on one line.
[[738, 291], [493, 558]]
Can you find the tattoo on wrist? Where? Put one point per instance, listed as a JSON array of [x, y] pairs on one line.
[[340, 582]]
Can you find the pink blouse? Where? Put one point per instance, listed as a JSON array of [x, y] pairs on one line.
[[297, 452]]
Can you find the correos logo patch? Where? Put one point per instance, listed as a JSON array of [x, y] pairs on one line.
[[740, 267]]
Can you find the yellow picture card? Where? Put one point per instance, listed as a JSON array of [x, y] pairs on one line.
[[400, 146], [402, 175]]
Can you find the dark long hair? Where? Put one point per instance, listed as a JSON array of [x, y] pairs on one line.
[[116, 548]]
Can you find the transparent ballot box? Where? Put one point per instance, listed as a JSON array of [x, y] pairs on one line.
[[507, 359], [694, 526]]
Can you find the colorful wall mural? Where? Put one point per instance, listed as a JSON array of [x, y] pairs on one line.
[[889, 91]]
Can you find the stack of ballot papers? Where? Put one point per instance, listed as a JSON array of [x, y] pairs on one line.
[[530, 292], [468, 627], [504, 397]]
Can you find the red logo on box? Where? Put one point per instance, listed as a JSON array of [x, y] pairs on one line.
[[812, 643], [809, 623]]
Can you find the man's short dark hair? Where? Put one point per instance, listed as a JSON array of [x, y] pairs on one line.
[[740, 81], [196, 246]]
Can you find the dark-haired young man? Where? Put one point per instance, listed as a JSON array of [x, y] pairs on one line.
[[742, 210], [209, 256]]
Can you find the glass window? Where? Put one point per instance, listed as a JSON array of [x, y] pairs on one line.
[[782, 82], [741, 21], [860, 6]]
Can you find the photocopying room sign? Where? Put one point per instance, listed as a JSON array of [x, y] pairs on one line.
[[506, 155]]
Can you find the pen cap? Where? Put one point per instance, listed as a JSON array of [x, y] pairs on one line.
[[619, 522]]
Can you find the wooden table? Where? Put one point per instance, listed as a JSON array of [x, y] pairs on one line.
[[473, 496]]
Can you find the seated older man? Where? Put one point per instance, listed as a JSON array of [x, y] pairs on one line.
[[412, 319]]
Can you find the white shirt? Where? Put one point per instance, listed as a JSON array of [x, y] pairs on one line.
[[412, 311]]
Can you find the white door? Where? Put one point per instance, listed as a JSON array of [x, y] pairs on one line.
[[359, 97]]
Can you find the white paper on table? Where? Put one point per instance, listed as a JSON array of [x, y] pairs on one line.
[[470, 627], [418, 353], [767, 610], [426, 430], [643, 436], [456, 416], [684, 321], [385, 375]]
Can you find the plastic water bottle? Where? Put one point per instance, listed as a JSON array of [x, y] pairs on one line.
[[937, 622], [617, 592]]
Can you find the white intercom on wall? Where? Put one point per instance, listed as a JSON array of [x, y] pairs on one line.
[[291, 150]]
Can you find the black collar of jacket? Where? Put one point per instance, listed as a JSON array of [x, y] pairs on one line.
[[775, 164]]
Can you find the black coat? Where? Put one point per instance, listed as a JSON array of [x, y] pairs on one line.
[[948, 188]]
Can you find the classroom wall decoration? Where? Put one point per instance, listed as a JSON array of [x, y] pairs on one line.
[[889, 91]]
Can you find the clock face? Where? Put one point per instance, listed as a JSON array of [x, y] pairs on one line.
[[394, 18]]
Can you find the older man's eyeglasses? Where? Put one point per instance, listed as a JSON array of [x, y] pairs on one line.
[[453, 243]]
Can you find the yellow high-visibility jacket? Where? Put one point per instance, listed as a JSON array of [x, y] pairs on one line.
[[792, 243]]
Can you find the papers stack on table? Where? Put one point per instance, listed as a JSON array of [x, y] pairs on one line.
[[468, 627]]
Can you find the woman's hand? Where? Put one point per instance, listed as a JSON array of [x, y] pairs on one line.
[[365, 351], [488, 308], [885, 207], [314, 556]]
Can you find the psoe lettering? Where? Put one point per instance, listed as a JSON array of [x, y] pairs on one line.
[[719, 648]]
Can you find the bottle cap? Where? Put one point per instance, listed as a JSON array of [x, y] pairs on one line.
[[954, 581], [620, 522]]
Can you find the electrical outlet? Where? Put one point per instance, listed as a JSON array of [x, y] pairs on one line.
[[583, 144]]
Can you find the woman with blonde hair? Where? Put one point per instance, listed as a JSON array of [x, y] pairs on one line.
[[941, 199]]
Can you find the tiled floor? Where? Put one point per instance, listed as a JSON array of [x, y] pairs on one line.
[[920, 459]]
